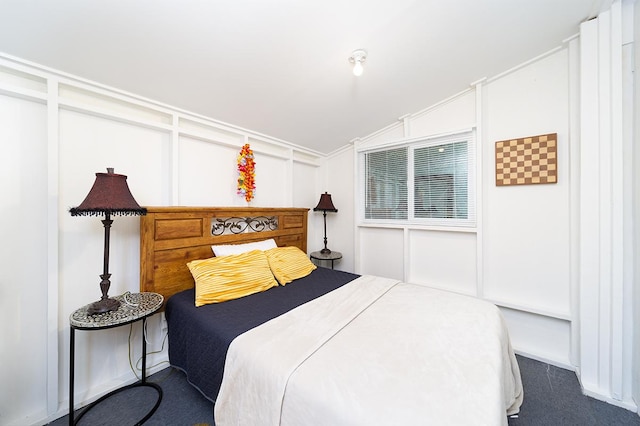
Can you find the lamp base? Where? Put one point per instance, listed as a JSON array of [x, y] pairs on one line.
[[325, 251], [102, 306]]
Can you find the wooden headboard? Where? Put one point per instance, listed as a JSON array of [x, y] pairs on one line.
[[172, 236]]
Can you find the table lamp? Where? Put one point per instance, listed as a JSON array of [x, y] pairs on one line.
[[109, 195], [325, 205]]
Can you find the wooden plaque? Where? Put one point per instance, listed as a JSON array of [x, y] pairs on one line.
[[527, 161]]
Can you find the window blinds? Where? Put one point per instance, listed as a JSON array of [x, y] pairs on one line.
[[430, 181], [386, 184], [441, 181]]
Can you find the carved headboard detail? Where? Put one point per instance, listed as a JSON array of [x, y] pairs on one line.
[[170, 237]]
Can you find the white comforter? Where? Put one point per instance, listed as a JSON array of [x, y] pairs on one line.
[[374, 352]]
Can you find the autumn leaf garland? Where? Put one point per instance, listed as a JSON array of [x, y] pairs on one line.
[[246, 173]]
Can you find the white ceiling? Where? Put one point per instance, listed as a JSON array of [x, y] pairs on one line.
[[280, 67]]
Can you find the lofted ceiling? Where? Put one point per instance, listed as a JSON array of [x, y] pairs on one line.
[[280, 67]]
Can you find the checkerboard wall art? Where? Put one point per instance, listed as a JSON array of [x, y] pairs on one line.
[[527, 161]]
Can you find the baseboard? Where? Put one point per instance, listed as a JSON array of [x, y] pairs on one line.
[[627, 405], [546, 360]]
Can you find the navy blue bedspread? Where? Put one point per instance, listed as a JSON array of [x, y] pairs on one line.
[[199, 337]]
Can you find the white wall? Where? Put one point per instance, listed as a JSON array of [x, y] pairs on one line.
[[526, 230], [23, 275], [56, 132], [337, 180], [520, 252], [405, 252], [530, 252]]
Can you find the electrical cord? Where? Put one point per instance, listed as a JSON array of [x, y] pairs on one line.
[[124, 296], [138, 367]]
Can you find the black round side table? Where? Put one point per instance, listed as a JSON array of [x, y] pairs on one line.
[[332, 256], [133, 307]]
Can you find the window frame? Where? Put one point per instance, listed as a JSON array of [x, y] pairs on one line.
[[469, 223]]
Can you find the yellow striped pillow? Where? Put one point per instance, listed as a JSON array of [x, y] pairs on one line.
[[219, 279], [289, 263]]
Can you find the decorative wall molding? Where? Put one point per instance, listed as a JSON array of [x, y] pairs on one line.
[[605, 316]]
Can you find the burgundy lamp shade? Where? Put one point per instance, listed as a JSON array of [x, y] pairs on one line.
[[325, 204], [109, 195]]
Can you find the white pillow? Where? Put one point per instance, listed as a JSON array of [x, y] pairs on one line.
[[227, 249]]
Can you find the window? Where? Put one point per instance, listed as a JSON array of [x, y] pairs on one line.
[[441, 181], [386, 189], [428, 181]]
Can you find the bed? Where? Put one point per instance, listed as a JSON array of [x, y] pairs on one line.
[[331, 347]]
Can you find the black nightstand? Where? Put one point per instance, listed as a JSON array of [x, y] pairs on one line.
[[333, 256], [133, 307]]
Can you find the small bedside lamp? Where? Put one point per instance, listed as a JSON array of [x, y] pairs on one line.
[[109, 195], [325, 205]]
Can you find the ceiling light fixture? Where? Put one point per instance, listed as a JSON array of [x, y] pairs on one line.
[[357, 59]]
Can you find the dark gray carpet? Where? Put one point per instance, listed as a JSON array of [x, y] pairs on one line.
[[552, 397]]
